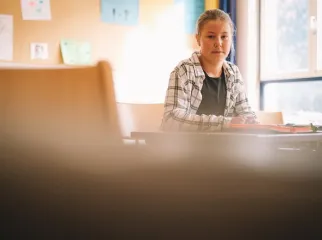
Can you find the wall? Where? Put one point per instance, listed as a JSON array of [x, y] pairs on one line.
[[78, 20], [142, 56], [210, 4]]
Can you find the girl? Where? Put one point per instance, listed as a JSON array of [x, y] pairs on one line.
[[206, 92]]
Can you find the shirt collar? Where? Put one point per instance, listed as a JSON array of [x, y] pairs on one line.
[[199, 71], [197, 65]]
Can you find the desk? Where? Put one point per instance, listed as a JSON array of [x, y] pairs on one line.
[[236, 144], [280, 138], [292, 137]]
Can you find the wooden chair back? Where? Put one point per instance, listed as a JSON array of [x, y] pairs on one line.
[[59, 105], [265, 117]]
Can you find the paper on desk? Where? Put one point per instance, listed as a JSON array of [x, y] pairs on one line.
[[75, 53], [6, 37], [35, 9]]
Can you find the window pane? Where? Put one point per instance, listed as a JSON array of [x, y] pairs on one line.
[[286, 34], [319, 31], [300, 101]]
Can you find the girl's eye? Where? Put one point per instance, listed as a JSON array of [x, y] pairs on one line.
[[224, 37], [211, 37]]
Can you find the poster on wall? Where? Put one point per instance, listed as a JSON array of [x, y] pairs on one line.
[[123, 12], [35, 9], [6, 37], [75, 53], [192, 10]]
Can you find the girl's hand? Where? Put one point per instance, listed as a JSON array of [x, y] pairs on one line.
[[243, 120]]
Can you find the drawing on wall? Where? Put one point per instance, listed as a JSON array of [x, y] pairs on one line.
[[124, 12], [35, 9], [39, 50], [192, 11], [75, 53], [6, 37]]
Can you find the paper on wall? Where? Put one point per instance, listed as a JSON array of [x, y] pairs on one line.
[[35, 9], [192, 11], [75, 53], [38, 50], [6, 37], [124, 12]]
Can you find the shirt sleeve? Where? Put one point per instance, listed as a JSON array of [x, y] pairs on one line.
[[242, 107], [177, 113]]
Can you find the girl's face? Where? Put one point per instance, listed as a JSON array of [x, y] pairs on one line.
[[215, 39]]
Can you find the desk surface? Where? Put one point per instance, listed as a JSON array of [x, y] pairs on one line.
[[285, 137]]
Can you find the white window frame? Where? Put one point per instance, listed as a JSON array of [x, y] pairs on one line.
[[313, 71], [248, 48]]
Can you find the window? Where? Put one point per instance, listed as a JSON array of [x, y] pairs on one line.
[[291, 39], [291, 59], [299, 100]]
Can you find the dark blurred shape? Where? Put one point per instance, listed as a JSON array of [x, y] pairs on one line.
[[127, 193], [64, 173]]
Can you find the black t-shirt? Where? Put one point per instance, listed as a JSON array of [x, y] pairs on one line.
[[213, 96]]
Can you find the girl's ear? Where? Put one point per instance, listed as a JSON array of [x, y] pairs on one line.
[[198, 39]]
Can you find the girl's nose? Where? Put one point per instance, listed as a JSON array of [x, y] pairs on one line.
[[218, 42]]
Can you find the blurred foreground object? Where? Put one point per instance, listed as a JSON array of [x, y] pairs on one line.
[[58, 107], [64, 173]]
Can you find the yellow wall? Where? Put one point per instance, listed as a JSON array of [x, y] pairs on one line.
[[79, 20], [142, 56], [211, 4]]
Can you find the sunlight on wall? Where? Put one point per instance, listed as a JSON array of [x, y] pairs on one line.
[[150, 54]]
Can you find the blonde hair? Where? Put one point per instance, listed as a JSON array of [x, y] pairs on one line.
[[214, 14]]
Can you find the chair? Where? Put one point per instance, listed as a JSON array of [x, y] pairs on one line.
[[270, 117], [59, 106], [139, 117]]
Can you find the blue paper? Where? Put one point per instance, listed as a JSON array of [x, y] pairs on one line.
[[192, 10], [123, 12]]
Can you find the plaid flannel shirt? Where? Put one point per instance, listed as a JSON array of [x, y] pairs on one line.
[[183, 98]]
